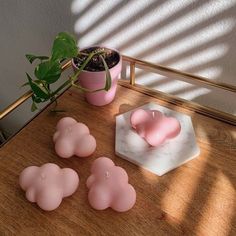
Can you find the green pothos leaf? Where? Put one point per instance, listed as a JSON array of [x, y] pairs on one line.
[[37, 99], [49, 71], [38, 88], [64, 46], [33, 107]]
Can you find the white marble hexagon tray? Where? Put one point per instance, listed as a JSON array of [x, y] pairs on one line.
[[159, 160]]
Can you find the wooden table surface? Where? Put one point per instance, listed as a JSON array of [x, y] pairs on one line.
[[198, 198]]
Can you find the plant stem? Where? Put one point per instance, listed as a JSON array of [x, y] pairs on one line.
[[67, 82], [72, 79]]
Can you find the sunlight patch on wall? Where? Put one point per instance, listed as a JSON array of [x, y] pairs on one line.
[[210, 72], [162, 12], [201, 57], [93, 15], [182, 24], [78, 6], [201, 37], [188, 91], [171, 85], [114, 21]]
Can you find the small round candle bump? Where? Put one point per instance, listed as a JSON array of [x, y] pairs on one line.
[[107, 175], [43, 176], [68, 130]]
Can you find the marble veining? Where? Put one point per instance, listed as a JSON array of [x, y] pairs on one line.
[[159, 160]]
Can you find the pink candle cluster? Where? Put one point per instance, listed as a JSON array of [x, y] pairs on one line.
[[154, 126], [48, 185], [108, 186], [73, 138]]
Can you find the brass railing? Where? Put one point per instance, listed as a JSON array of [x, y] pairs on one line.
[[195, 107], [134, 62], [24, 97]]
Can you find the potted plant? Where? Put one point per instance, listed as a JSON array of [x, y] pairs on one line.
[[96, 71], [93, 76]]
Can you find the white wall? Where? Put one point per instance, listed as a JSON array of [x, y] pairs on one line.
[[27, 26], [195, 36]]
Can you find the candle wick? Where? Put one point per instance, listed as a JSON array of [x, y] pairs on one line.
[[107, 175], [69, 129], [43, 176]]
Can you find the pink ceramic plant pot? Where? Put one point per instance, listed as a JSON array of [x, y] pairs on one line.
[[96, 80]]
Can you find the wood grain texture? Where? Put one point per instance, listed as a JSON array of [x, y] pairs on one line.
[[199, 198]]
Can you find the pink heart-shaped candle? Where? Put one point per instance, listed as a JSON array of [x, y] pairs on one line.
[[154, 126]]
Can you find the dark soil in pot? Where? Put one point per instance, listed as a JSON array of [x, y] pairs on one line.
[[111, 57]]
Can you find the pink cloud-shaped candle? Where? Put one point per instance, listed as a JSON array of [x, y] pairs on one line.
[[73, 138], [154, 126], [48, 185], [108, 186]]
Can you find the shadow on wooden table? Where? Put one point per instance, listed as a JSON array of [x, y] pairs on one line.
[[198, 197]]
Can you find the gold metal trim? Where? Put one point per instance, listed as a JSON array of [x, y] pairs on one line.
[[132, 73], [185, 75], [189, 105], [15, 104], [24, 97], [66, 65], [171, 99]]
